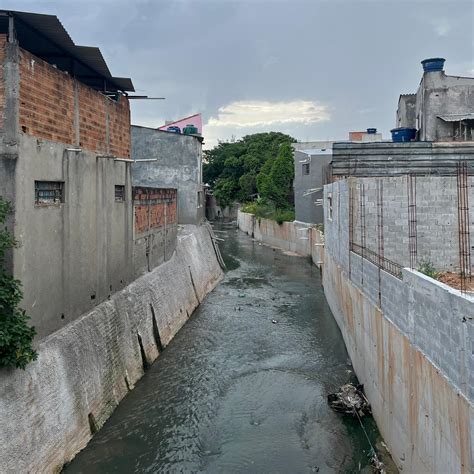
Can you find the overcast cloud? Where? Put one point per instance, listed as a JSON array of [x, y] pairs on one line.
[[313, 69]]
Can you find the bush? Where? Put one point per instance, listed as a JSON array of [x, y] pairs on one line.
[[263, 209], [16, 337], [427, 268]]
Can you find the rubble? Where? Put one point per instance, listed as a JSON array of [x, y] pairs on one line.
[[350, 400]]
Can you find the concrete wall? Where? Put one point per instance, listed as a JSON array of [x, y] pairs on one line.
[[414, 357], [86, 368], [437, 232], [410, 340], [406, 112], [214, 211], [306, 209], [155, 227], [75, 254], [296, 237], [178, 165], [440, 94]]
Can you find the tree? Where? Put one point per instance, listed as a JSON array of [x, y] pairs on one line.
[[16, 337], [234, 169]]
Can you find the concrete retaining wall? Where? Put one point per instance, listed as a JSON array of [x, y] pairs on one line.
[[49, 410], [293, 236], [414, 355]]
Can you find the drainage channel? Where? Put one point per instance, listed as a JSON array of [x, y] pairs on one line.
[[243, 386]]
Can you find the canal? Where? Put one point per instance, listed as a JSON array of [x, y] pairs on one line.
[[242, 388]]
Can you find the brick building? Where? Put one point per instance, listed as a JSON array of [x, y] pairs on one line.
[[65, 165]]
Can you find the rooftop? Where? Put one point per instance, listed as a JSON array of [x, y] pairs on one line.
[[45, 37]]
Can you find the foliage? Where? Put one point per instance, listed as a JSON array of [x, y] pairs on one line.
[[239, 170], [16, 337], [264, 210], [427, 268]]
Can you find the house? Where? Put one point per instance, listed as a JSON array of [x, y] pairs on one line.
[[166, 159], [442, 110], [65, 166]]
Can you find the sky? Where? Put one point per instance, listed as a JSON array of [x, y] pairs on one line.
[[315, 69]]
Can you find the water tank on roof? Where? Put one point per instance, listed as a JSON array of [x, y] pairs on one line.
[[372, 131], [190, 129], [173, 129], [433, 64], [403, 134]]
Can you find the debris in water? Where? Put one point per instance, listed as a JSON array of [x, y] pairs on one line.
[[274, 321], [350, 400], [377, 465], [241, 295]]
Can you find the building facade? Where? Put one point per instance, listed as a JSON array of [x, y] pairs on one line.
[[65, 166], [165, 159], [442, 108]]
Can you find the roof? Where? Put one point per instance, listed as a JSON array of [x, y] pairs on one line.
[[45, 37], [456, 117]]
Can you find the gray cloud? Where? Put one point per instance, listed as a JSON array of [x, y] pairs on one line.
[[353, 57]]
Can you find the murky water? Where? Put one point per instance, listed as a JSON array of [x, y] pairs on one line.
[[242, 388]]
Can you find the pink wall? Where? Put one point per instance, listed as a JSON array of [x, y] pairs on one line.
[[196, 120]]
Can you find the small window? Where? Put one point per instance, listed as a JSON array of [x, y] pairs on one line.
[[49, 193], [329, 208], [199, 198], [120, 193], [306, 168]]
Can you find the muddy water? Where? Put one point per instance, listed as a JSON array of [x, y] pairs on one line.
[[242, 388]]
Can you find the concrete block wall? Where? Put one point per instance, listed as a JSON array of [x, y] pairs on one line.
[[410, 339], [414, 357], [436, 218], [92, 363]]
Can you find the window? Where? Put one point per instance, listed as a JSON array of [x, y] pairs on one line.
[[199, 199], [119, 193], [329, 208], [306, 168], [49, 193]]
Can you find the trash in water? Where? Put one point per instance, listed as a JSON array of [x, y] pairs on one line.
[[274, 321], [377, 465], [350, 400], [241, 295]]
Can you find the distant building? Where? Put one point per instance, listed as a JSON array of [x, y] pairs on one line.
[[165, 159], [312, 171], [442, 110]]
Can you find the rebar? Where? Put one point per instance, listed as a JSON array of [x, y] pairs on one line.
[[463, 224], [412, 220]]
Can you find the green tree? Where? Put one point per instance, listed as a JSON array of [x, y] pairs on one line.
[[234, 169], [16, 337]]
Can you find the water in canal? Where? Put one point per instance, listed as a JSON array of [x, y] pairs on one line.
[[242, 388]]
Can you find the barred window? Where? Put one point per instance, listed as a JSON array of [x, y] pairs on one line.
[[49, 193], [119, 193]]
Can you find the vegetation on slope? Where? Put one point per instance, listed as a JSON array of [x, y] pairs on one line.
[[258, 169], [16, 337]]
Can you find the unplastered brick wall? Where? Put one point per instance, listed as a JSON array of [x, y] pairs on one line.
[[48, 104], [153, 208], [3, 41]]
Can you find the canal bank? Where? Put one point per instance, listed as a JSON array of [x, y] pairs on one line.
[[50, 411], [243, 386]]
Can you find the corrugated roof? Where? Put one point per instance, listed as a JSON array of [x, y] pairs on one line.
[[46, 37], [456, 117]]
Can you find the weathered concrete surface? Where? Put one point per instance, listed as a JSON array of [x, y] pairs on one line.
[[414, 357], [293, 236], [178, 164], [87, 367]]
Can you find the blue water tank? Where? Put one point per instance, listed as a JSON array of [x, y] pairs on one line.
[[403, 134], [372, 131], [173, 129], [433, 64]]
